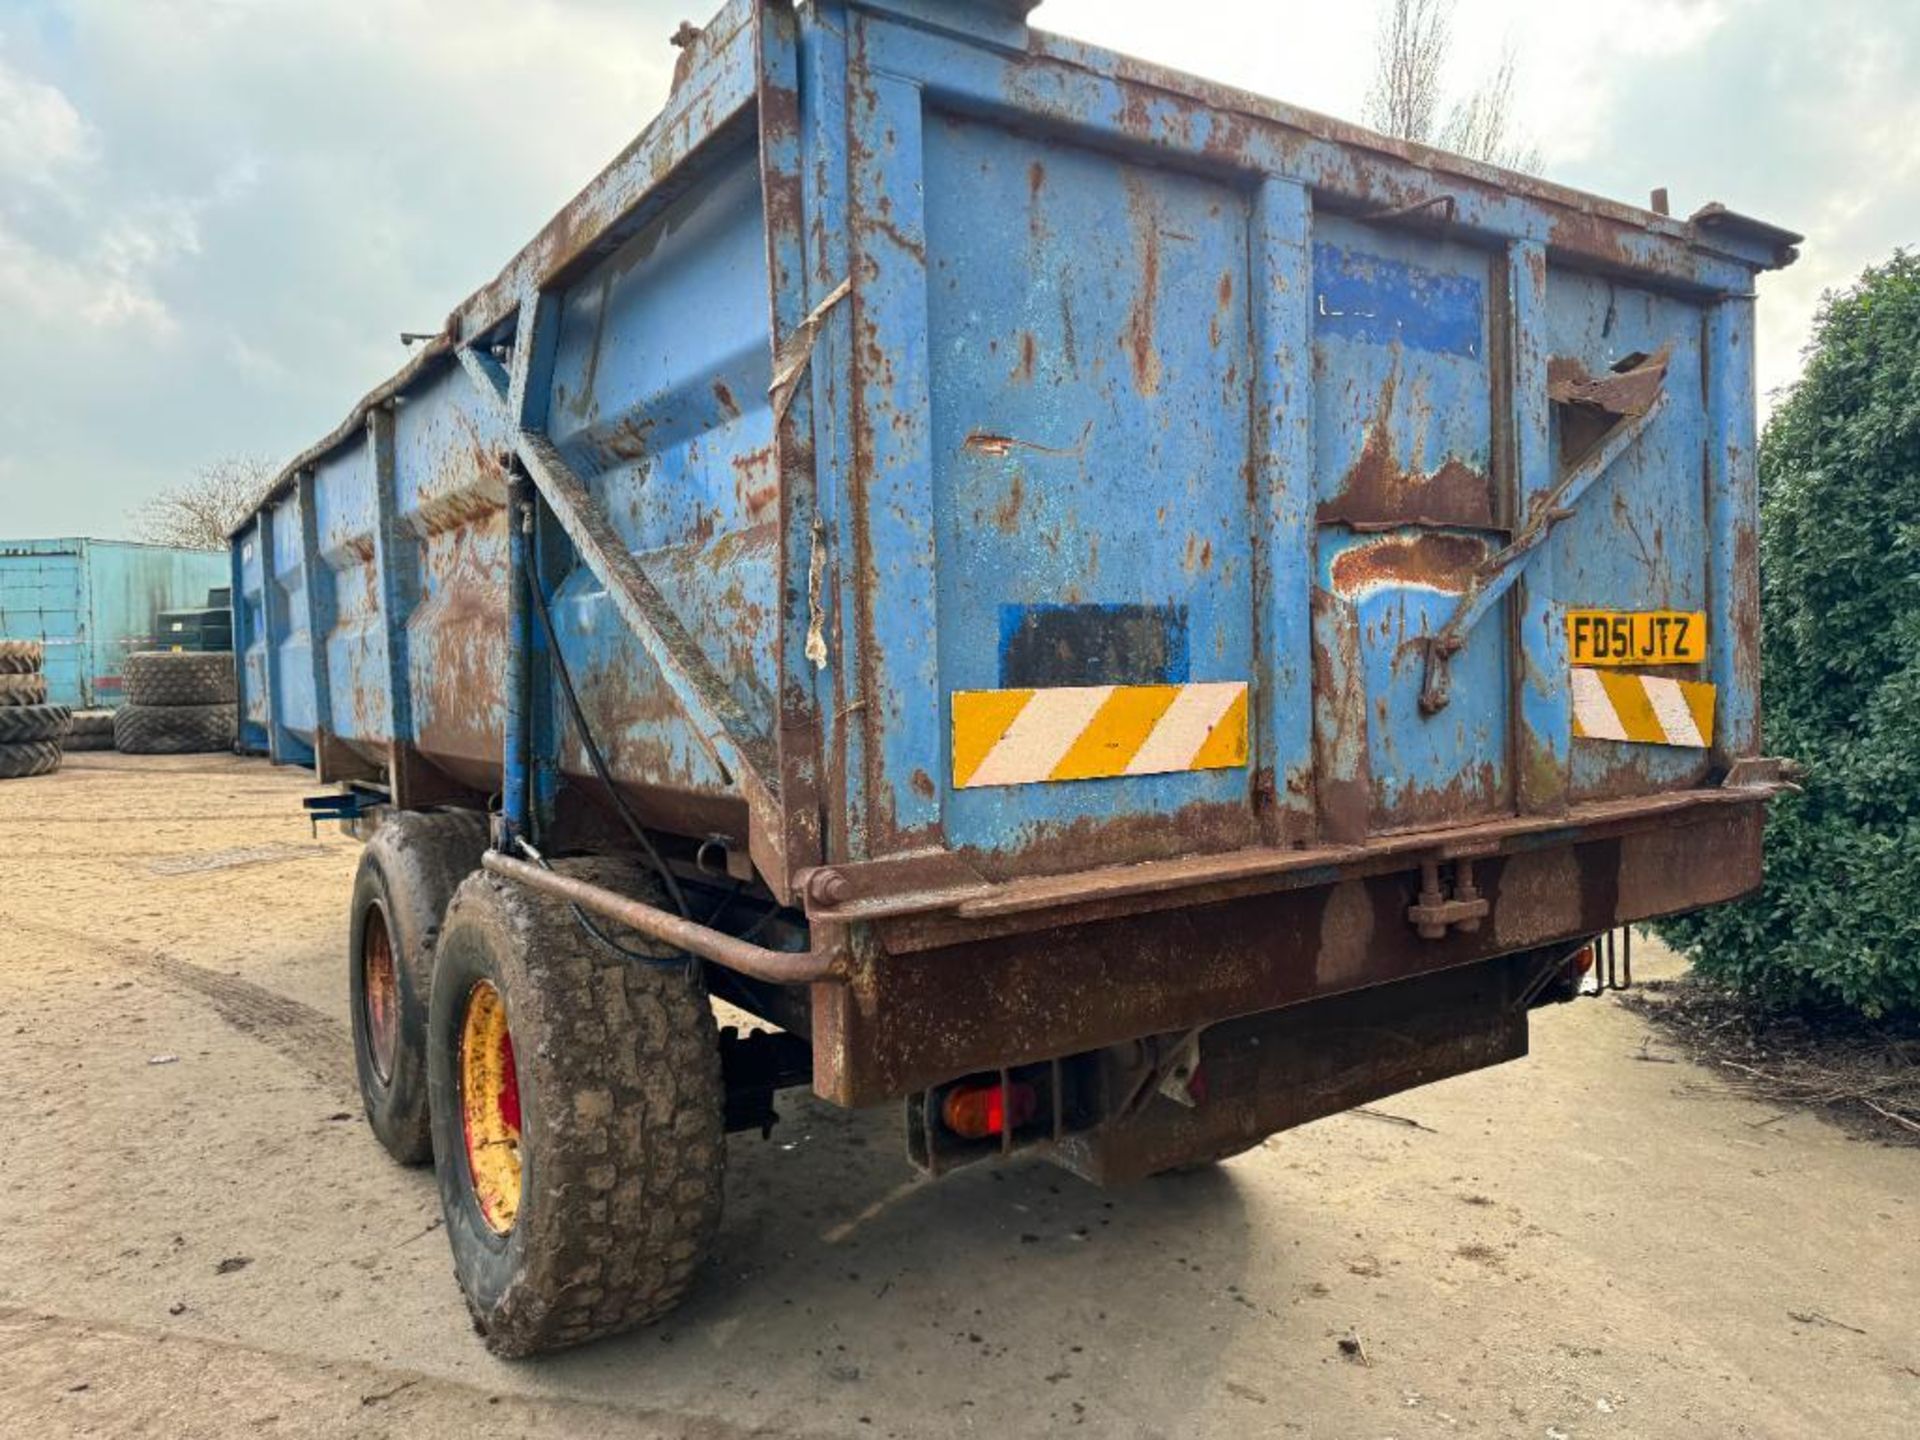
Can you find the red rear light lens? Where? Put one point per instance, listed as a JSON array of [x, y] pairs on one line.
[[981, 1111], [1583, 960]]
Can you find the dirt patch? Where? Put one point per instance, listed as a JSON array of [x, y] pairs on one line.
[[1578, 1243], [1865, 1077]]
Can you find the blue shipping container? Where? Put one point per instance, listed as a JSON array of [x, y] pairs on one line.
[[92, 603]]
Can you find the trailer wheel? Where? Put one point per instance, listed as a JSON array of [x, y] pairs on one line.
[[29, 757], [179, 677], [21, 657], [578, 1122], [407, 875], [22, 688]]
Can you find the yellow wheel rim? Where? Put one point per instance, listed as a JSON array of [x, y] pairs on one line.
[[490, 1107]]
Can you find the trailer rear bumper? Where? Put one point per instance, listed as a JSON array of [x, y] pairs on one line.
[[951, 986]]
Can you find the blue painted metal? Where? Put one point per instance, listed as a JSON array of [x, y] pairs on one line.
[[1383, 301], [92, 603], [1113, 340], [1543, 713], [515, 788]]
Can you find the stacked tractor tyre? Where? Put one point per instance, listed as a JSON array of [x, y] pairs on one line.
[[31, 730], [90, 730], [179, 702]]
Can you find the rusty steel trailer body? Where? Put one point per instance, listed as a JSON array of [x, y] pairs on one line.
[[1061, 553]]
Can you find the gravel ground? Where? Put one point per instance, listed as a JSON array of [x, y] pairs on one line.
[[201, 1239]]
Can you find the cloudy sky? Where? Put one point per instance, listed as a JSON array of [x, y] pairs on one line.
[[217, 215]]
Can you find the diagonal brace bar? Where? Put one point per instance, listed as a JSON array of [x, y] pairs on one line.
[[718, 722], [1495, 575]]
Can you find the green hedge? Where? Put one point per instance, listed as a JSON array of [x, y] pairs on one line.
[[1839, 918]]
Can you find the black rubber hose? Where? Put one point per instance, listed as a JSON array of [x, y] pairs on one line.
[[594, 757]]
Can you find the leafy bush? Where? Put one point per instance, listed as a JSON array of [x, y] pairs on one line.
[[1839, 918]]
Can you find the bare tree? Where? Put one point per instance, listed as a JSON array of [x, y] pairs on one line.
[[1409, 54], [1483, 126], [200, 512], [1407, 96]]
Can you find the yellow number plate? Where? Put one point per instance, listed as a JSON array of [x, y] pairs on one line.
[[1636, 637]]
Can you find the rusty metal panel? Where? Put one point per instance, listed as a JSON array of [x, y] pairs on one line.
[[659, 402], [1091, 438], [909, 1020], [345, 513], [1639, 540], [451, 493]]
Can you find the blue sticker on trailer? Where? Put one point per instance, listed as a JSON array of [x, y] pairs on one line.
[[1358, 296]]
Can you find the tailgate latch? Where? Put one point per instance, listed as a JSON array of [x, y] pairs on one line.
[[1435, 913]]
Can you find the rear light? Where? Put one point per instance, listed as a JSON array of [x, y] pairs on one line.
[[983, 1109], [1582, 960]]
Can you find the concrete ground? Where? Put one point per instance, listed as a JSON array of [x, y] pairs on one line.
[[200, 1239]]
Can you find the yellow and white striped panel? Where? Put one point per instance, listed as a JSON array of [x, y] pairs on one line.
[[1094, 732], [1641, 709]]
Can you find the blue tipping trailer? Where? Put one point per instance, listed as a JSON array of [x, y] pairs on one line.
[[1123, 612], [93, 602]]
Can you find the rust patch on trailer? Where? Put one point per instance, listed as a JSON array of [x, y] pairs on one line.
[[1591, 405], [1436, 561], [1006, 514], [756, 483], [1139, 340], [728, 405], [1342, 767], [1379, 493], [1029, 357], [1195, 830]]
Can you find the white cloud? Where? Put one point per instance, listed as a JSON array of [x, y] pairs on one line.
[[215, 215], [42, 136]]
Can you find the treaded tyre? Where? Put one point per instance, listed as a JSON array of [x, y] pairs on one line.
[[180, 677], [90, 730], [578, 1121], [173, 729], [21, 657], [32, 722], [29, 757], [408, 872], [23, 689]]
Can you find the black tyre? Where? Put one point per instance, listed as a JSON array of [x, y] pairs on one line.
[[32, 722], [173, 729], [29, 757], [180, 677], [90, 730], [578, 1122], [19, 688], [21, 657], [408, 873]]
